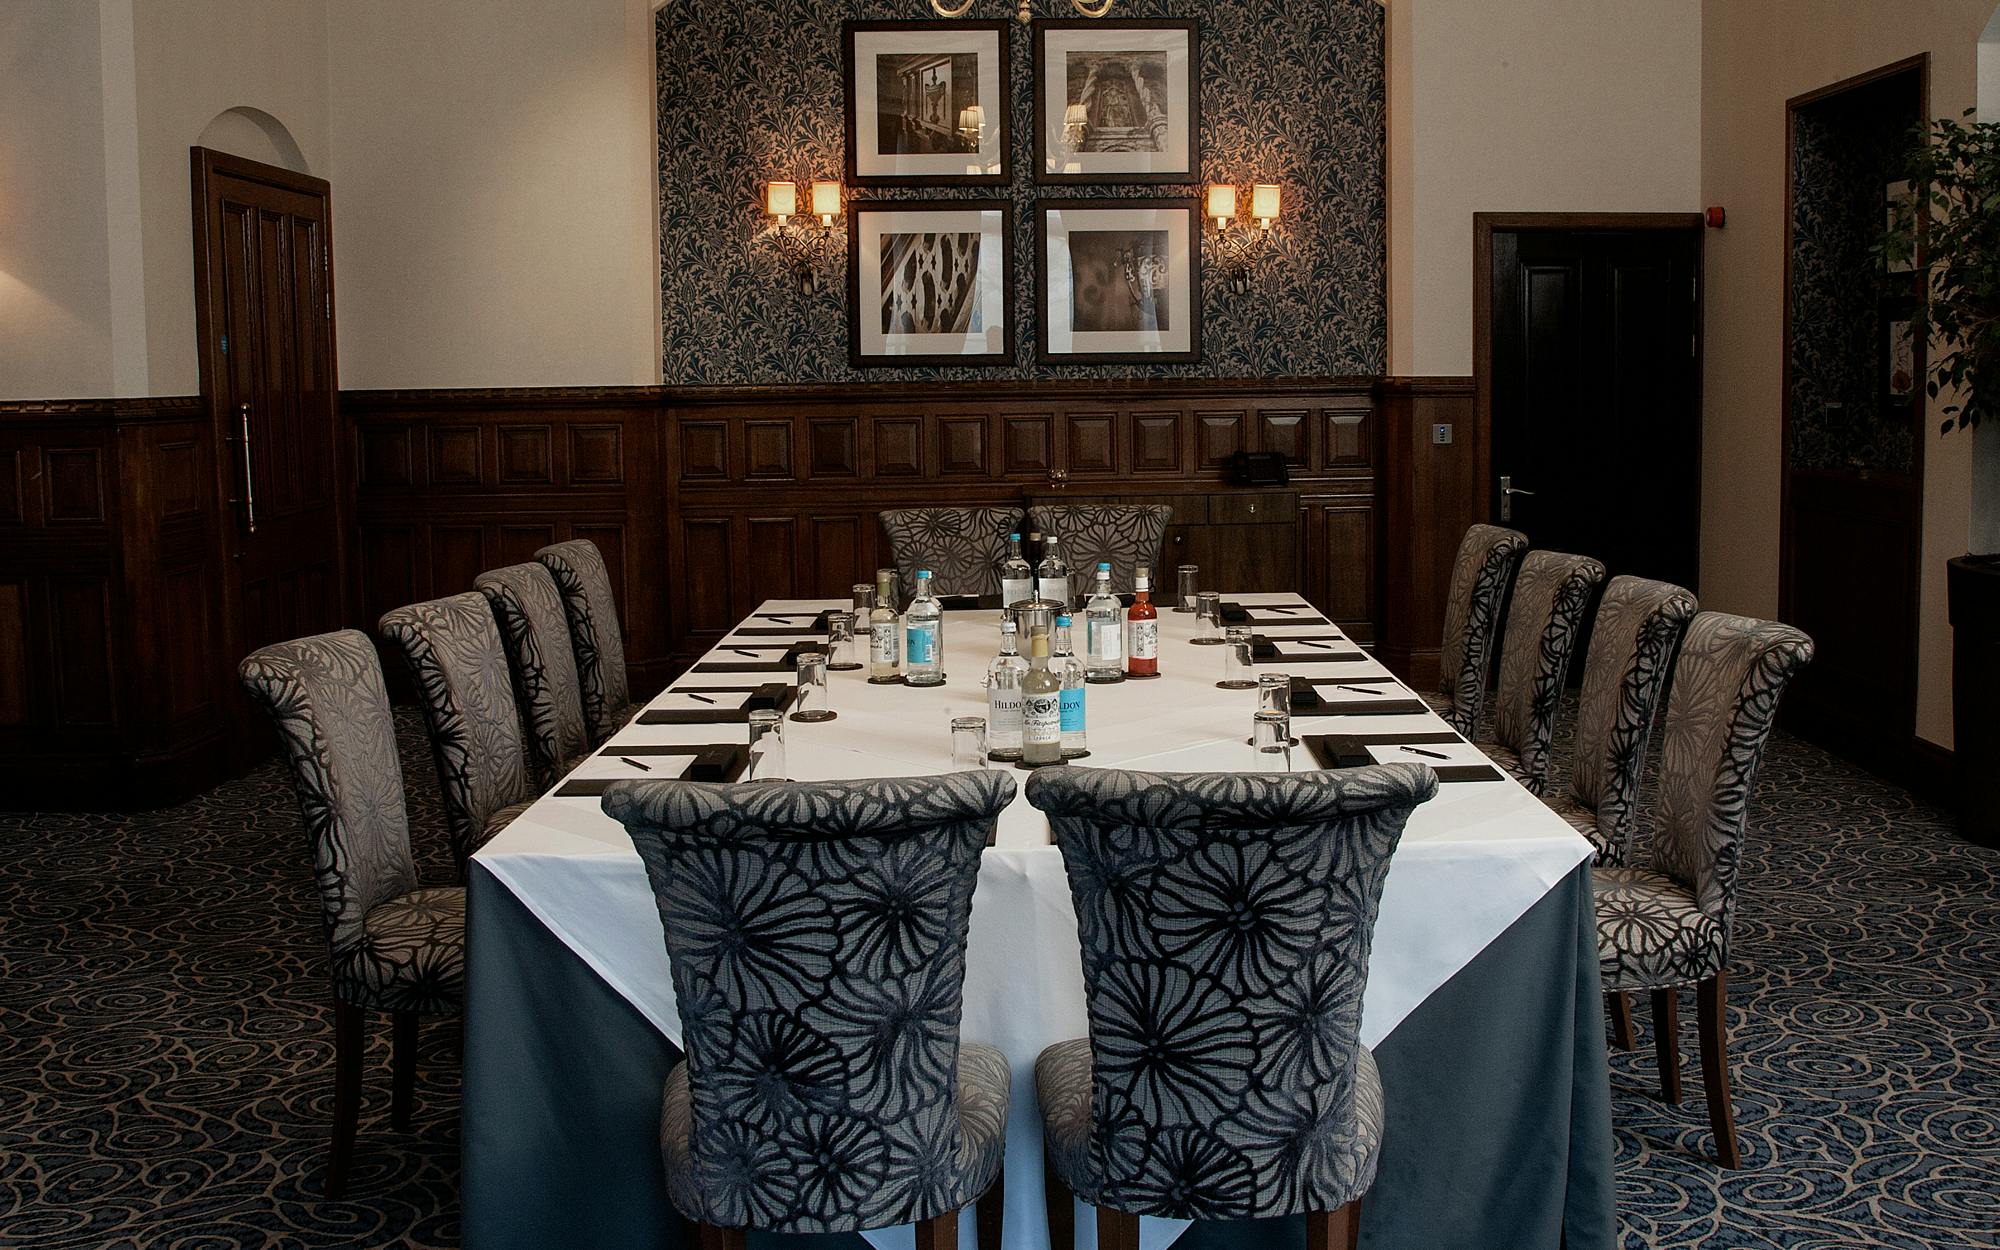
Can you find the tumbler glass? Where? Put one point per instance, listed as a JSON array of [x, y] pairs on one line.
[[864, 603], [1271, 742], [1184, 594], [1208, 619], [1238, 660], [968, 742], [1274, 694], [767, 747], [840, 642], [810, 703]]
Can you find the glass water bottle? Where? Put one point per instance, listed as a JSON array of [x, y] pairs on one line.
[[1003, 697], [923, 637], [1071, 673], [1104, 631]]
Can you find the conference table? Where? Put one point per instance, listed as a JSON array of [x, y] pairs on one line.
[[1483, 1006]]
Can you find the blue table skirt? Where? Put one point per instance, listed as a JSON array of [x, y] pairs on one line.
[[1498, 1133]]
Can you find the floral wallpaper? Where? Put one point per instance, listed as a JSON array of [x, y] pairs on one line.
[[752, 89]]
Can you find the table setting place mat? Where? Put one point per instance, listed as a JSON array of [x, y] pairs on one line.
[[1237, 614], [774, 696], [1317, 650], [1351, 751], [1358, 699], [719, 762], [814, 624], [745, 666], [762, 631]]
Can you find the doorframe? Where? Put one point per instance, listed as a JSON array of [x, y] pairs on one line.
[[1484, 226]]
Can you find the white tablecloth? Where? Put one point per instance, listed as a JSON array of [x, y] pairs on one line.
[[1471, 862]]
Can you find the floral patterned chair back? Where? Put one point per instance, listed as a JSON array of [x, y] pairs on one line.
[[529, 611], [1127, 535], [326, 699], [1480, 576], [595, 637], [1551, 594], [1226, 922], [1731, 672], [454, 652], [816, 933], [962, 547], [1638, 628]]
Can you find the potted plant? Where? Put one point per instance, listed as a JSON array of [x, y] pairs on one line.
[[1954, 245]]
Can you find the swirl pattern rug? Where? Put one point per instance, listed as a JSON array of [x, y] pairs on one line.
[[166, 1040]]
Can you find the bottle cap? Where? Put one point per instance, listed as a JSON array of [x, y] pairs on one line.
[[923, 575], [1145, 570], [1062, 620], [1007, 626], [1013, 538], [1104, 566], [1038, 645]]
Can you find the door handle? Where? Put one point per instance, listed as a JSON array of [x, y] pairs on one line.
[[1507, 492], [249, 500]]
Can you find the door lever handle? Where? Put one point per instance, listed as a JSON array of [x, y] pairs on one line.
[[1507, 492], [249, 500]]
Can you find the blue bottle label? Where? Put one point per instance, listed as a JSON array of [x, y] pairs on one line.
[[1072, 710], [921, 643]]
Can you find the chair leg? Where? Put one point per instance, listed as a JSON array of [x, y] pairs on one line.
[[1061, 1205], [1621, 1019], [1117, 1230], [1334, 1230], [988, 1213], [1667, 1041], [710, 1237], [403, 1062], [350, 1037], [1712, 1025], [940, 1232]]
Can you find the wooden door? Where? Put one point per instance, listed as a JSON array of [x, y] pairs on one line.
[[264, 301], [1594, 380]]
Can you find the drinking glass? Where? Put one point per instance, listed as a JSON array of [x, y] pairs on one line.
[[1274, 694], [1184, 595], [840, 642], [968, 742], [1238, 660], [864, 603], [1208, 619], [767, 746], [1271, 742], [810, 703]]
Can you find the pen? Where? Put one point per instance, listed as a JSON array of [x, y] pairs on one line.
[[1436, 755], [692, 695], [741, 651], [1307, 642], [626, 759], [1359, 689]]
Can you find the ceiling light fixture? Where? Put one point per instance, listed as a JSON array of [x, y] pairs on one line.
[[1024, 11]]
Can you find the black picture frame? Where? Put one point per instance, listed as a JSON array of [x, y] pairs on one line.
[[1003, 106], [856, 231], [1045, 321], [1044, 101]]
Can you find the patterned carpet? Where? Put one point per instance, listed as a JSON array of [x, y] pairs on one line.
[[166, 1052]]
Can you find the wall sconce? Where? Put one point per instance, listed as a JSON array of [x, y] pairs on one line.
[[804, 244], [1239, 248], [971, 124]]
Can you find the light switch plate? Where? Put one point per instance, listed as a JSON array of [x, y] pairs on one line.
[[1441, 434]]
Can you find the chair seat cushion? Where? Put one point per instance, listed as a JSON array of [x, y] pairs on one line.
[[1584, 821], [411, 956], [1340, 1164], [1650, 933], [739, 1189]]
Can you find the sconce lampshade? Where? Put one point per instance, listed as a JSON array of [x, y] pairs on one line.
[[781, 199], [826, 201], [1221, 202], [1264, 203], [971, 120]]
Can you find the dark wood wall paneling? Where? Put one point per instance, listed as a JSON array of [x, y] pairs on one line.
[[1431, 493]]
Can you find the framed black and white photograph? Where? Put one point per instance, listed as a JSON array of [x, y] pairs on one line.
[[1117, 101], [1118, 280], [928, 282], [927, 103]]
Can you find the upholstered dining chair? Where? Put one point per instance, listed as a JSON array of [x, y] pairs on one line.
[[1552, 592], [391, 945], [596, 640], [1126, 535], [1638, 628], [962, 547], [1480, 577], [816, 935], [453, 649], [529, 611], [1666, 925], [1226, 922]]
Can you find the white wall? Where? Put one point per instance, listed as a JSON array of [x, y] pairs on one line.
[[494, 189], [55, 292], [1525, 106], [1755, 57]]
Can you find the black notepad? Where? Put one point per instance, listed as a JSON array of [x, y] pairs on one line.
[[1342, 703], [1351, 751], [722, 762]]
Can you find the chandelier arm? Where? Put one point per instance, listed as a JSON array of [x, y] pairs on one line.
[[1099, 10], [944, 10]]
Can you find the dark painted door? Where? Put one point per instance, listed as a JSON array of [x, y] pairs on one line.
[[1596, 395]]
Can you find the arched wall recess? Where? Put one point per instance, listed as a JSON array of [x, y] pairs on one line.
[[255, 134]]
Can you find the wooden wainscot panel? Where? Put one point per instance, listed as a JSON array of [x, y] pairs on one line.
[[458, 555], [1157, 442], [771, 560], [1090, 443], [833, 447], [597, 454], [1283, 430], [15, 699], [74, 490], [899, 446], [389, 568], [961, 446], [767, 450], [454, 455], [11, 510], [1349, 443], [1219, 435], [834, 554], [1430, 494], [386, 459], [1026, 445], [704, 450], [525, 455], [80, 628], [519, 542], [177, 479], [708, 594]]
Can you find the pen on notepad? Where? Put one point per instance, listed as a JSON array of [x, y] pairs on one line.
[[741, 651], [1359, 689], [1436, 755], [1306, 642], [626, 759], [692, 695]]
